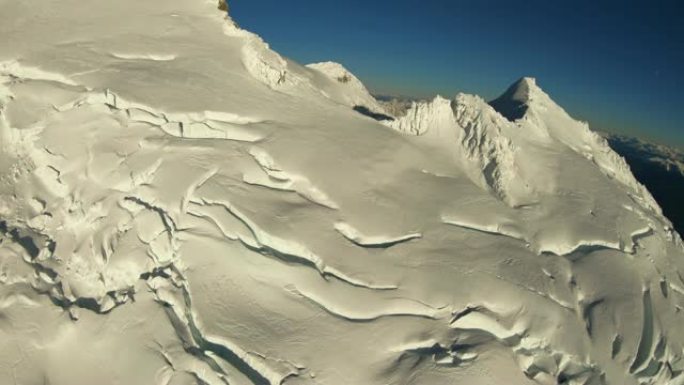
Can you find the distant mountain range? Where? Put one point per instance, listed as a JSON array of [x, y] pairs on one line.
[[660, 168]]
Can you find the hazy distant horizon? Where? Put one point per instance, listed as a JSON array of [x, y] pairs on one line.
[[613, 64]]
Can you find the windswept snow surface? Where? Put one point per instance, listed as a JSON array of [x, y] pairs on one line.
[[179, 205]]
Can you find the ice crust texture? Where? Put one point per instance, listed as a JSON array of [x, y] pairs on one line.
[[179, 204]]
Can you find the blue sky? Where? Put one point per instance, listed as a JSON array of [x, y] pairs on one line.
[[617, 64]]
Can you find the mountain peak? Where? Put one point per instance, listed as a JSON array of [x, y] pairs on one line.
[[524, 88], [514, 103], [527, 81]]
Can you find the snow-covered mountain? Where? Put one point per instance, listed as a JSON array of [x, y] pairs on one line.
[[180, 204]]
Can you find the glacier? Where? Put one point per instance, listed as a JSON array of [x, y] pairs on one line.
[[180, 204]]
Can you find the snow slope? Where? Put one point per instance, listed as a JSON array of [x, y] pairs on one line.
[[179, 204], [659, 168], [344, 87]]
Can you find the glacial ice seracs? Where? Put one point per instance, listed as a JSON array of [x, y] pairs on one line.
[[180, 204]]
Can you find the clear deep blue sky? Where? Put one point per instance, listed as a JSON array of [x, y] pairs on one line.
[[617, 64]]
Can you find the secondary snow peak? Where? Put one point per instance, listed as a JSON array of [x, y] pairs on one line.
[[337, 83]]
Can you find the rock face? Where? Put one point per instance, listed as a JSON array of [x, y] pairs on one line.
[[172, 188]]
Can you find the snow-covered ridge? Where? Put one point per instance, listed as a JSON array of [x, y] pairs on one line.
[[537, 120], [423, 116], [173, 188], [262, 63], [660, 168], [346, 88]]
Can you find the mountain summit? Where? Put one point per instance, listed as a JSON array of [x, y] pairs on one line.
[[172, 188], [513, 103]]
